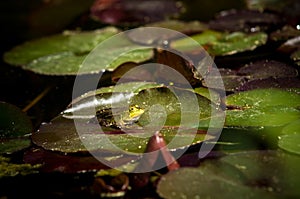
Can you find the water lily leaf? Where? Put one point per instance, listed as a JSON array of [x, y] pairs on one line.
[[188, 28], [273, 171], [262, 107], [237, 42], [283, 83], [292, 128], [61, 135], [126, 107], [56, 162], [9, 169], [214, 183], [220, 44], [290, 143], [267, 68], [14, 122], [69, 41], [15, 127], [134, 12], [257, 174], [245, 21]]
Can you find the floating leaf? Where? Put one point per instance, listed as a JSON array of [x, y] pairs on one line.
[[220, 44], [14, 122], [65, 54], [237, 42], [290, 143], [56, 162], [267, 68], [126, 107], [134, 12], [253, 174], [61, 135], [283, 83], [262, 107], [245, 21], [205, 182], [69, 41], [292, 128], [15, 127], [188, 28]]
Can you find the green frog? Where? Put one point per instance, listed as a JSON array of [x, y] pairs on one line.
[[120, 118]]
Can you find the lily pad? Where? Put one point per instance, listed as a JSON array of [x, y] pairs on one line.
[[262, 107], [127, 108], [14, 122], [282, 83], [267, 68], [285, 33], [69, 41], [134, 12], [61, 135], [295, 56], [220, 44], [292, 128], [290, 143], [253, 174], [15, 129], [67, 54], [188, 28], [245, 21]]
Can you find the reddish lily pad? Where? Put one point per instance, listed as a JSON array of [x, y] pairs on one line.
[[134, 12]]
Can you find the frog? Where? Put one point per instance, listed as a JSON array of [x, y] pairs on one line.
[[119, 118]]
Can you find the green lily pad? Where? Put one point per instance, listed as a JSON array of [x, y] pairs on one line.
[[237, 42], [61, 135], [220, 44], [262, 107], [181, 26], [68, 41], [15, 129], [256, 174], [291, 128], [67, 53], [140, 108], [290, 143], [14, 122]]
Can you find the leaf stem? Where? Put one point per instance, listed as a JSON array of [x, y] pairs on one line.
[[37, 99]]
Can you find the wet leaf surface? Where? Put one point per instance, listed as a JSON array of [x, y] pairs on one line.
[[134, 12], [245, 21], [69, 41], [262, 107], [15, 129], [220, 44], [254, 174], [188, 28]]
